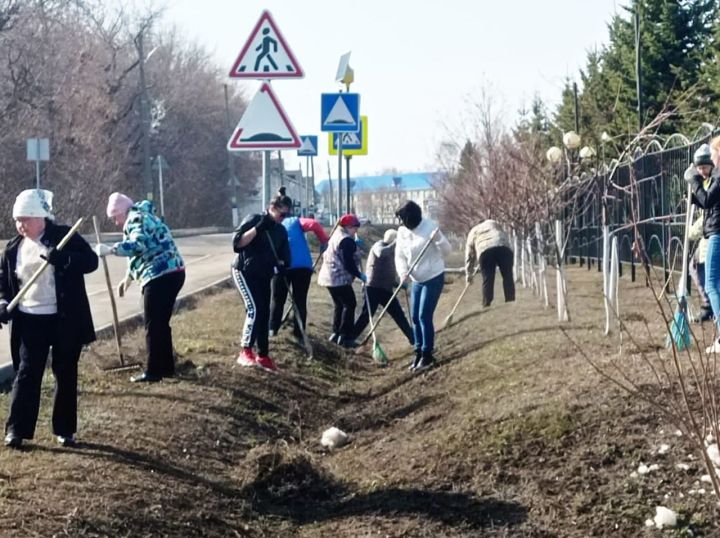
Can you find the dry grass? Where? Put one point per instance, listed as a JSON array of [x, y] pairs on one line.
[[514, 434]]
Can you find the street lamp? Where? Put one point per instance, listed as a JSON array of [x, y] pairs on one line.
[[571, 140], [554, 155], [587, 153]]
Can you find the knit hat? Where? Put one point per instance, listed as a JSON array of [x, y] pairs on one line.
[[118, 203], [702, 156], [390, 236], [349, 220], [33, 203]]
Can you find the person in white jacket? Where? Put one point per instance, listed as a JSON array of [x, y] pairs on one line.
[[428, 276]]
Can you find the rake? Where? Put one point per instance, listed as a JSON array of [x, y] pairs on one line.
[[679, 327], [448, 320], [378, 354]]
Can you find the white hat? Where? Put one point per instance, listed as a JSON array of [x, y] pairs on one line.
[[33, 203], [390, 236]]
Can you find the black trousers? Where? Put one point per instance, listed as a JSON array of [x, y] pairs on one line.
[[381, 296], [255, 293], [159, 296], [344, 313], [490, 260], [37, 333], [299, 280]]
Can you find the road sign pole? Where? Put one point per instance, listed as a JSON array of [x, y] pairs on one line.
[[307, 185], [37, 163], [312, 181], [160, 181], [266, 180], [332, 197], [339, 200], [347, 182]]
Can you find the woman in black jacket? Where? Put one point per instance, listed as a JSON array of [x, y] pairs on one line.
[[261, 244], [54, 312], [709, 200]]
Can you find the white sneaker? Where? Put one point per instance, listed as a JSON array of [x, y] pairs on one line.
[[715, 348]]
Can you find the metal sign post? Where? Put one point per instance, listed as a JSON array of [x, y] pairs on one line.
[[38, 149], [159, 164]]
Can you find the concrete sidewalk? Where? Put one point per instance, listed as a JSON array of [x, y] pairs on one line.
[[207, 258]]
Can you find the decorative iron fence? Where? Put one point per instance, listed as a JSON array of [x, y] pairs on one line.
[[659, 211]]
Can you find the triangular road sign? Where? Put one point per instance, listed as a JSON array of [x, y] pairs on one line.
[[308, 147], [266, 54], [264, 125], [339, 113]]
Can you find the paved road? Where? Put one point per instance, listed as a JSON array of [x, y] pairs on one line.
[[207, 258]]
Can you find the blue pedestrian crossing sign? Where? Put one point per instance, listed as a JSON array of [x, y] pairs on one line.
[[339, 112], [308, 147], [352, 143]]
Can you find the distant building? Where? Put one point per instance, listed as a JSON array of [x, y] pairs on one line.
[[377, 197]]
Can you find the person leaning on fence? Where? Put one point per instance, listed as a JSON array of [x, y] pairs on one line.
[[55, 312], [428, 277], [261, 245], [703, 165], [709, 200], [298, 274], [381, 281], [341, 265], [154, 262], [488, 248]]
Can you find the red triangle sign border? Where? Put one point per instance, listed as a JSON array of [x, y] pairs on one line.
[[266, 16], [235, 144]]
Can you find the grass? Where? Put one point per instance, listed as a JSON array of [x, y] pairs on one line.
[[513, 435]]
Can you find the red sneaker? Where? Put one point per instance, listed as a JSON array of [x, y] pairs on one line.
[[266, 363], [246, 357]]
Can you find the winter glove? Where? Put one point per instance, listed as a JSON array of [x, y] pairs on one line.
[[103, 250], [691, 173], [56, 257], [280, 269], [363, 277], [323, 247], [469, 278], [265, 224], [359, 242], [4, 314], [124, 285], [404, 285]]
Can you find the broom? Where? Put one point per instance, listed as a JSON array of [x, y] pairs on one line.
[[378, 354], [679, 327]]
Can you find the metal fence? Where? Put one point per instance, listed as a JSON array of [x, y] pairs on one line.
[[660, 206]]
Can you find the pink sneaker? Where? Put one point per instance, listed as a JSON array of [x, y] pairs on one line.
[[266, 363], [246, 357]]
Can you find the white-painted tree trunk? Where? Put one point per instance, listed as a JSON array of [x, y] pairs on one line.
[[560, 275]]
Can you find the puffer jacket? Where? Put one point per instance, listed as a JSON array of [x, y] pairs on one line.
[[709, 200], [487, 234], [148, 243], [380, 266]]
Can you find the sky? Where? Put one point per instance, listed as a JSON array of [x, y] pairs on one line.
[[419, 65]]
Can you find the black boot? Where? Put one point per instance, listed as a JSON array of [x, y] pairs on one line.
[[706, 313], [426, 362], [416, 360]]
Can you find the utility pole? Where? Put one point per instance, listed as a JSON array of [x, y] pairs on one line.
[[577, 109], [144, 117], [638, 71], [232, 180]]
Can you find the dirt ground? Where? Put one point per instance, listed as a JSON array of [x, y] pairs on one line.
[[513, 434]]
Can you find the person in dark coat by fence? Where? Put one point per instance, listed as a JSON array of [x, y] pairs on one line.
[[55, 312]]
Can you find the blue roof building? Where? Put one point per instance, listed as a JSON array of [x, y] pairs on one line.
[[377, 197]]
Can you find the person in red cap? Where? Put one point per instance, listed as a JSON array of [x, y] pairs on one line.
[[341, 265]]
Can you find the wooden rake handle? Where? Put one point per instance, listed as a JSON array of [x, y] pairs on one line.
[[20, 294]]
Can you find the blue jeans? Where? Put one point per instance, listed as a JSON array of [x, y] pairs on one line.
[[425, 296], [712, 273]]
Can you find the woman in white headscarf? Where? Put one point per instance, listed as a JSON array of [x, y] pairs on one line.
[[55, 312]]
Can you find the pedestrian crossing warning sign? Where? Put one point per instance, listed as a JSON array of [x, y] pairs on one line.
[[354, 143], [264, 125], [266, 54]]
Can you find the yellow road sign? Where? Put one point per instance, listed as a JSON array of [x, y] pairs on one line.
[[353, 143]]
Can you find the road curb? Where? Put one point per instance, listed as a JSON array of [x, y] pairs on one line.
[[130, 322]]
